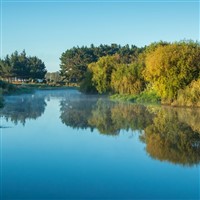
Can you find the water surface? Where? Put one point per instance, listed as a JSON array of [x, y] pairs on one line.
[[65, 145]]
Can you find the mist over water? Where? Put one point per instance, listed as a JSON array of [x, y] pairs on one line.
[[66, 145]]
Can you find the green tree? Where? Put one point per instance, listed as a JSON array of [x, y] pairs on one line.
[[21, 66], [37, 68], [102, 71], [127, 79], [74, 63], [6, 70]]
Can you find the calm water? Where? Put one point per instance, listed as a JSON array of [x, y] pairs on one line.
[[65, 145]]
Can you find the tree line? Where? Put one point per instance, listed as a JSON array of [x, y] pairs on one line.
[[75, 61], [169, 72], [20, 66]]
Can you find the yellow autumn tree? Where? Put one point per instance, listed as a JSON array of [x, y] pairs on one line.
[[171, 67]]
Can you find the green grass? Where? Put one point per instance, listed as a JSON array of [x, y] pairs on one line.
[[148, 97], [124, 97], [144, 97]]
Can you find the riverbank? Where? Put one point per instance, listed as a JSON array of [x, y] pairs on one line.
[[187, 98], [145, 97], [17, 89]]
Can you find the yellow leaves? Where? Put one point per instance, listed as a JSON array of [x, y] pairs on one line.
[[172, 67]]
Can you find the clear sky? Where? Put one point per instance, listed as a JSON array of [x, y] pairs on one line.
[[48, 28]]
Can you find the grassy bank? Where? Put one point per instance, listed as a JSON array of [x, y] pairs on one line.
[[8, 88], [144, 97], [38, 86], [18, 88], [21, 88], [187, 97]]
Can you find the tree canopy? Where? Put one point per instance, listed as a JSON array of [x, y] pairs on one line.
[[21, 66], [75, 61], [161, 70], [172, 67]]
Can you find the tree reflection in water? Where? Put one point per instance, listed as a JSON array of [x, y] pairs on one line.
[[172, 137], [19, 109], [170, 134]]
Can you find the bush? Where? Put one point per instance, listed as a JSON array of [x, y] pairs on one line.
[[148, 97], [144, 97]]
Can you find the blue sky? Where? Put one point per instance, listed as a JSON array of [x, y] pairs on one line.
[[46, 29]]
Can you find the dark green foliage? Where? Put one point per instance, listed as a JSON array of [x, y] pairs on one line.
[[87, 85], [20, 66], [74, 62], [7, 88]]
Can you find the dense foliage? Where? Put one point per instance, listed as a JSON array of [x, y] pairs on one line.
[[20, 66], [172, 67], [166, 71], [75, 61]]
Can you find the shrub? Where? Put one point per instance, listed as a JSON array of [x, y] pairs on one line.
[[148, 97]]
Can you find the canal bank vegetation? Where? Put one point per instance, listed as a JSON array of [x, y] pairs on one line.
[[160, 72]]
